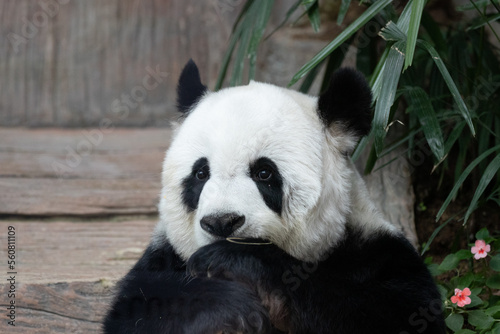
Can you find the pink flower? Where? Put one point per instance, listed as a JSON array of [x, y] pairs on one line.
[[480, 250], [461, 298]]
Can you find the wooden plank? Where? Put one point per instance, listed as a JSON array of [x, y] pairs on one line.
[[82, 197], [65, 251], [58, 172], [56, 140], [76, 307], [65, 271]]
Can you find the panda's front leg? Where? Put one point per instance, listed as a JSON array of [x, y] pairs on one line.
[[158, 296], [256, 263]]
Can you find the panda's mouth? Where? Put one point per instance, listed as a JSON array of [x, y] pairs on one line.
[[249, 241]]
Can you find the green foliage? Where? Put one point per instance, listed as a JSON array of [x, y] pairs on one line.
[[447, 77], [460, 270], [415, 17], [495, 263], [247, 34], [312, 9], [343, 10], [448, 80]]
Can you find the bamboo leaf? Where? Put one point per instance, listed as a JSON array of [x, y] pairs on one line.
[[376, 78], [453, 136], [421, 104], [365, 60], [371, 161], [450, 83], [240, 57], [390, 80], [433, 31], [484, 21], [437, 89], [242, 14], [288, 14], [263, 12], [334, 61], [313, 14], [391, 32], [309, 79], [463, 142], [488, 174], [235, 37], [405, 17], [227, 57], [462, 178], [405, 138], [435, 233], [360, 148], [367, 15], [417, 7], [248, 33], [476, 4], [344, 6], [484, 135]]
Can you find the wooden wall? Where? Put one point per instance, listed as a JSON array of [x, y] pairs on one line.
[[74, 63]]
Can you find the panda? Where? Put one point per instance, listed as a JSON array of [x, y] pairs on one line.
[[266, 226]]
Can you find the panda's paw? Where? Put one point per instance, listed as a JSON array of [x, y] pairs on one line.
[[238, 261], [253, 263], [236, 309]]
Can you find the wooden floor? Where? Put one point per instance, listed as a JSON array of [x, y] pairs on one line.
[[83, 206]]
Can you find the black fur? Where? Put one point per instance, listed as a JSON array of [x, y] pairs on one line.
[[347, 100], [189, 89], [271, 189], [192, 186], [376, 286], [157, 296]]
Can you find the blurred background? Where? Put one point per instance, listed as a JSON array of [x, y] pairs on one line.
[[71, 63]]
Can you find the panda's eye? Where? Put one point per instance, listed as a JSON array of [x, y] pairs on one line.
[[203, 173], [264, 174]]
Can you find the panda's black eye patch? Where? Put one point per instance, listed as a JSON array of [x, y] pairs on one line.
[[193, 184], [266, 176]]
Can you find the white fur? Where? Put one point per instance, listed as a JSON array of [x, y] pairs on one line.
[[236, 126]]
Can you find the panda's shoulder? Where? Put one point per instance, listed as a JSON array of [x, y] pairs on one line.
[[159, 256], [385, 251], [381, 240]]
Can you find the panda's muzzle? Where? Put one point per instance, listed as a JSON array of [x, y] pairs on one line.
[[222, 225]]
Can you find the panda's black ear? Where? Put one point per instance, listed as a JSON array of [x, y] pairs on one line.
[[189, 89], [347, 100]]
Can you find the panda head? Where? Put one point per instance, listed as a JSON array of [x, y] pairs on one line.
[[260, 161]]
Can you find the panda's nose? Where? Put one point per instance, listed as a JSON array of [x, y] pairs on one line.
[[222, 225]]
